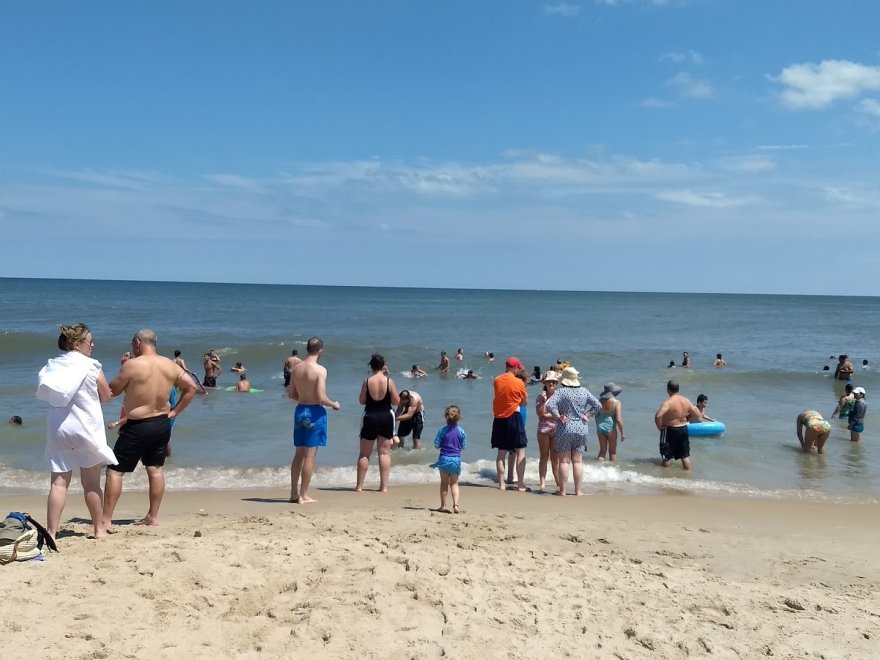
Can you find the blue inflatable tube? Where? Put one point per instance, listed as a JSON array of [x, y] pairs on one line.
[[700, 429]]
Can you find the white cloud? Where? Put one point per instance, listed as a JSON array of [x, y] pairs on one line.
[[447, 180], [128, 179], [562, 9], [677, 57], [815, 86], [652, 102], [715, 200], [870, 107], [747, 164], [690, 87], [656, 3], [853, 196], [781, 147], [233, 181]]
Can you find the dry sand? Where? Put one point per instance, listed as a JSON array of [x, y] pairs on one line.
[[244, 574]]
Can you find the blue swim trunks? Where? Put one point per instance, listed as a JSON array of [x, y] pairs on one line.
[[310, 426], [858, 428]]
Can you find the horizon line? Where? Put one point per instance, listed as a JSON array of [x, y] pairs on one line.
[[437, 288]]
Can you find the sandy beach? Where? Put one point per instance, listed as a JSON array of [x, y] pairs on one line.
[[245, 574]]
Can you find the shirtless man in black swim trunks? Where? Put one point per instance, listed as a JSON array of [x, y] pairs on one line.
[[146, 379], [212, 369], [671, 420]]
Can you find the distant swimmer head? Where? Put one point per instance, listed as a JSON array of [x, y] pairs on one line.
[[826, 368], [717, 356], [848, 388], [243, 377], [377, 362], [702, 398], [294, 352], [15, 420], [177, 353], [415, 367], [671, 364], [672, 387]]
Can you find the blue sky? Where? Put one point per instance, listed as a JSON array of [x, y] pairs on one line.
[[632, 145]]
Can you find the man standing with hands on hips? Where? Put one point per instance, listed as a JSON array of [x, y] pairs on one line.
[[146, 379], [672, 422]]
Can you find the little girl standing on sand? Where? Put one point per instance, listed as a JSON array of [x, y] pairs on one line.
[[450, 440]]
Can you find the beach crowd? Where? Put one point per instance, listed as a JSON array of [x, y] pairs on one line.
[[156, 390]]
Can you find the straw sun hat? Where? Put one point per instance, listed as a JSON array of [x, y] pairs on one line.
[[570, 377]]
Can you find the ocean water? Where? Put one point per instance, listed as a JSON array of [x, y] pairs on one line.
[[776, 347]]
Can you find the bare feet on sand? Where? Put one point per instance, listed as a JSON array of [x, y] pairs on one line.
[[146, 521], [305, 499]]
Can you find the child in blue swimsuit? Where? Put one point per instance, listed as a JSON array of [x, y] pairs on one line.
[[450, 440]]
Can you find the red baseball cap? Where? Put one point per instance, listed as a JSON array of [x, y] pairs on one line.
[[514, 362]]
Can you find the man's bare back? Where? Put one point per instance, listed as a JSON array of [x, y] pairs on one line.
[[676, 411], [147, 381], [308, 384]]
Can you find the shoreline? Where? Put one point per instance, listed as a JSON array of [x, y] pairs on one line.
[[246, 574], [680, 485]]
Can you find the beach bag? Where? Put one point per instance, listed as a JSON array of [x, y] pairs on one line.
[[22, 538]]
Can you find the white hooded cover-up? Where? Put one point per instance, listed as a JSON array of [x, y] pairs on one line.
[[75, 436]]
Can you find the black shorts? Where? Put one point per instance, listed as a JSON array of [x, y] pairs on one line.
[[286, 378], [675, 443], [210, 381], [509, 433], [377, 423], [142, 440], [413, 425]]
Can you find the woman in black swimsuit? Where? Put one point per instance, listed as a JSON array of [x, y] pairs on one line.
[[379, 398]]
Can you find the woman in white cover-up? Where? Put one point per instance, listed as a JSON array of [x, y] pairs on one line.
[[74, 386]]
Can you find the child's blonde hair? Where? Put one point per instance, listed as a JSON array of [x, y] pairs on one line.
[[453, 414]]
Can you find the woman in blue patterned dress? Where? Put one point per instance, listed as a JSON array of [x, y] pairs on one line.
[[571, 406]]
